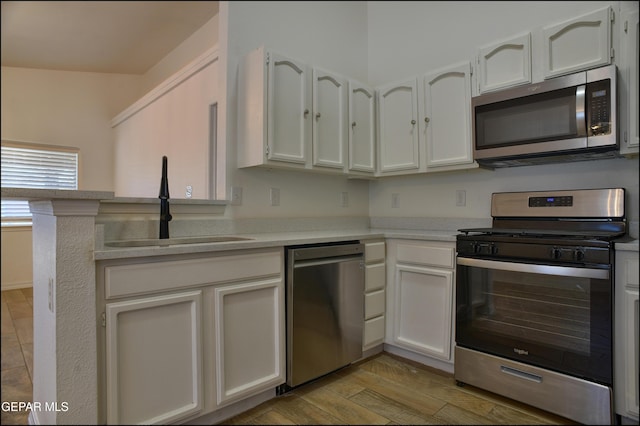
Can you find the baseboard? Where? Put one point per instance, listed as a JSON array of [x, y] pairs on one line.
[[16, 286], [232, 410], [422, 359]]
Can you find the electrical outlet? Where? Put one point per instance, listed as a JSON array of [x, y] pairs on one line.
[[236, 196], [344, 199], [274, 196], [189, 191], [395, 200], [461, 197]]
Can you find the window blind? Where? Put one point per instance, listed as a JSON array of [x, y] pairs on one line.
[[25, 167]]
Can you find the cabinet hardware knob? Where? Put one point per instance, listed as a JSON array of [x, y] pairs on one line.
[[413, 122], [306, 112], [317, 115], [426, 119], [353, 124]]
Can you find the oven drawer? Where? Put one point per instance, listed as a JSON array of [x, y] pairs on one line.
[[558, 393]]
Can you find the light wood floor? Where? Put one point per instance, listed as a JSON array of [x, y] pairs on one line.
[[384, 389], [387, 389]]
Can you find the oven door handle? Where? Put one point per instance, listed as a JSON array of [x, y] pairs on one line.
[[535, 268]]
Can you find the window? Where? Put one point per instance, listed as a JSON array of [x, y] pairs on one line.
[[34, 166]]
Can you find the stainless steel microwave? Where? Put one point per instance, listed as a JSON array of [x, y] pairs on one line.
[[569, 118]]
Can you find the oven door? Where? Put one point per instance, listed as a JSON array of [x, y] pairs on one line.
[[554, 317]]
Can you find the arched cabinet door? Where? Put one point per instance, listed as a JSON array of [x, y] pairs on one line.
[[503, 64], [288, 110], [447, 116], [398, 143], [362, 126], [577, 44], [330, 115]]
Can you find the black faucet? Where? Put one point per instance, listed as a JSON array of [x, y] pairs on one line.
[[165, 216]]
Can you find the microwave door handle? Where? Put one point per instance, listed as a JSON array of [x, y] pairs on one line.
[[581, 120]]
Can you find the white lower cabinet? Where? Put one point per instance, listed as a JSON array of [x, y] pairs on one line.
[[185, 335], [420, 297], [249, 339], [627, 317], [154, 358]]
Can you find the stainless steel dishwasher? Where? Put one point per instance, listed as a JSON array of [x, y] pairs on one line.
[[324, 309]]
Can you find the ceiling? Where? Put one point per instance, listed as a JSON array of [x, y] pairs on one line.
[[126, 37]]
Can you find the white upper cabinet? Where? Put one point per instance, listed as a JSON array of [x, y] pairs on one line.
[[577, 44], [330, 119], [291, 115], [446, 100], [362, 129], [504, 64], [398, 136], [288, 105], [629, 82], [274, 108]]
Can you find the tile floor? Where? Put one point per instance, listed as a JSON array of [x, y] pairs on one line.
[[17, 352], [17, 372]]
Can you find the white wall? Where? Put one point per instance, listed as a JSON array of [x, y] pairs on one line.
[[408, 38], [402, 39], [376, 42], [330, 35], [198, 42], [431, 35], [68, 109], [75, 109], [16, 258]]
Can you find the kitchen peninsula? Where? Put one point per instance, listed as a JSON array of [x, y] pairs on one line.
[[73, 234]]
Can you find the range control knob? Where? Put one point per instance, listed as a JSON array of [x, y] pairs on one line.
[[579, 255], [493, 249], [556, 253]]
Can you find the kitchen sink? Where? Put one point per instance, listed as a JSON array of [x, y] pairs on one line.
[[156, 242]]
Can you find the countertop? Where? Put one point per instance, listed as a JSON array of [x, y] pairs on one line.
[[274, 239], [627, 246], [279, 239], [53, 194]]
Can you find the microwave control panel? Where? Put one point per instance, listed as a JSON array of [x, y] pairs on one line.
[[599, 108]]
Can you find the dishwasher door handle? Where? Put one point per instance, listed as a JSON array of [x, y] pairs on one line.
[[327, 261]]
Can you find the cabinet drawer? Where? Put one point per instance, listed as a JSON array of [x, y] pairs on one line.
[[374, 304], [374, 252], [374, 277], [139, 278], [373, 332], [426, 254]]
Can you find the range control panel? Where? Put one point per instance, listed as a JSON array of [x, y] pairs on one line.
[[551, 201]]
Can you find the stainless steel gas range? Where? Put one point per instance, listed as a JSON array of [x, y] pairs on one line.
[[534, 300]]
